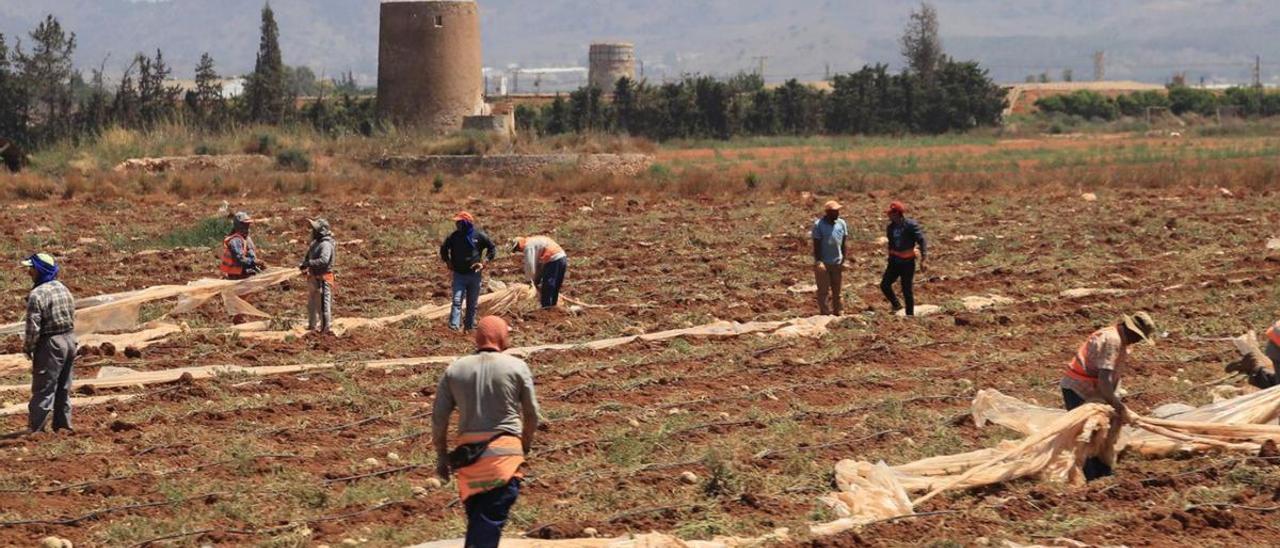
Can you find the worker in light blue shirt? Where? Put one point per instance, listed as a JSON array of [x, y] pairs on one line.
[[829, 235]]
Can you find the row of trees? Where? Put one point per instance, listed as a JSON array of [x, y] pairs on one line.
[[1177, 99], [935, 94], [954, 97], [44, 99]]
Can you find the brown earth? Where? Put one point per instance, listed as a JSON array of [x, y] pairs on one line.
[[248, 461]]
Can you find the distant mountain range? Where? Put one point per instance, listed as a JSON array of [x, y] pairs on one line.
[[1145, 40]]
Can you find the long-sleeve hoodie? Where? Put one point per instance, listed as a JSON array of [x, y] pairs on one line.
[[320, 256]]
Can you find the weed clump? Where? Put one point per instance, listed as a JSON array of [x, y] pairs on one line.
[[437, 184], [293, 160]]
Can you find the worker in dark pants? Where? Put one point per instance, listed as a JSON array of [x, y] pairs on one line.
[[904, 235], [1094, 373], [50, 343]]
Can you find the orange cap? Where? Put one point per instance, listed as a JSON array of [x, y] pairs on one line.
[[492, 333], [832, 206], [898, 207], [464, 216]]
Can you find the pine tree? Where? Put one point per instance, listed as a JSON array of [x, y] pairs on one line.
[[921, 44], [267, 91], [13, 99], [46, 75], [206, 102]]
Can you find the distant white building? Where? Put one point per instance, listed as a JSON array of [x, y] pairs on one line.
[[231, 87]]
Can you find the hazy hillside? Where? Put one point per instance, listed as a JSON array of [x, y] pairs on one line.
[[1145, 39]]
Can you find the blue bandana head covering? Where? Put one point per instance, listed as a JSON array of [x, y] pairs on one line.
[[469, 229], [46, 268]]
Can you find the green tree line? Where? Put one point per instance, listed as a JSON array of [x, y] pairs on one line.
[[1177, 99]]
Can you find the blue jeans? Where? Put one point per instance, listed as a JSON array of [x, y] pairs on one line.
[[487, 514], [465, 287], [551, 282]]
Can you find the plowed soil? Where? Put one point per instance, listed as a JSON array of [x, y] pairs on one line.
[[345, 454]]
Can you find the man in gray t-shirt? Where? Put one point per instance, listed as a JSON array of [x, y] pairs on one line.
[[829, 234]]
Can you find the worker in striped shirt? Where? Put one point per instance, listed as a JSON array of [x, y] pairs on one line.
[[545, 265], [50, 343]]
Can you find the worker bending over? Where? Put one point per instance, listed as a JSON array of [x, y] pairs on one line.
[[467, 252], [904, 235], [1261, 368], [497, 417], [829, 236], [50, 343], [239, 255], [1093, 375], [318, 267], [545, 264]]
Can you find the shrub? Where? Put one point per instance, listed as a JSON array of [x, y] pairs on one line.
[[293, 160], [752, 180], [262, 143], [207, 150], [437, 184]]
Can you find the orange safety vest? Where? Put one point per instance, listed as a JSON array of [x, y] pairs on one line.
[[500, 463], [550, 250], [1076, 368], [1273, 333], [229, 265]]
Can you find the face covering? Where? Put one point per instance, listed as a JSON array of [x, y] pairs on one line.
[[45, 272]]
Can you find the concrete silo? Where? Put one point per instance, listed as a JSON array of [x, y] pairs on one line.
[[429, 63], [609, 62]]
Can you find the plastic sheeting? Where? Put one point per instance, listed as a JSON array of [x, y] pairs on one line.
[[119, 311], [1056, 446], [651, 540]]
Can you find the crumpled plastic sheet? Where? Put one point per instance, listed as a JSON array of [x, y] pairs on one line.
[[650, 540], [119, 311], [1055, 448]]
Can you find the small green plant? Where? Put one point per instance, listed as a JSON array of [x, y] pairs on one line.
[[262, 143], [437, 184], [293, 160], [207, 150], [752, 180], [205, 233]]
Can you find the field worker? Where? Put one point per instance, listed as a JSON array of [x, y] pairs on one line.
[[545, 264], [467, 252], [904, 235], [1093, 375], [1261, 368], [239, 255], [50, 343], [829, 235], [318, 267], [497, 417]]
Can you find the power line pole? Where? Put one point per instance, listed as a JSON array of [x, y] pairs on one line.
[[1257, 71], [760, 64], [1099, 66]]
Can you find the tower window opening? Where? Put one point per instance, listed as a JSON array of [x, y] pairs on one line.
[[439, 21]]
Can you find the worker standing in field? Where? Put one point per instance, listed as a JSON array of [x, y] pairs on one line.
[[239, 255], [829, 234], [318, 267], [467, 252], [497, 417], [1261, 368], [50, 343], [904, 236], [545, 265], [1093, 375]]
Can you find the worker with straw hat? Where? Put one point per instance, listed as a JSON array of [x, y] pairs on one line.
[[1093, 375], [497, 418], [467, 252], [904, 237], [829, 236], [50, 342]]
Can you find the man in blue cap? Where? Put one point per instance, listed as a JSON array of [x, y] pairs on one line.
[[50, 343]]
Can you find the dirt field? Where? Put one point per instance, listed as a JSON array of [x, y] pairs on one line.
[[325, 457]]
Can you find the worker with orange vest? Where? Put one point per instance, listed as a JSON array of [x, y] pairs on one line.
[[1093, 375], [545, 265], [239, 256], [497, 417], [904, 236], [317, 265], [1261, 369]]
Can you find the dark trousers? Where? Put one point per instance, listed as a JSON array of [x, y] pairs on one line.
[[51, 382], [1094, 467], [551, 282], [900, 269], [487, 514]]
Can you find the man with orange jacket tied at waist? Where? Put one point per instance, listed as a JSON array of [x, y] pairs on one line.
[[545, 264], [239, 255], [1093, 375], [497, 417]]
